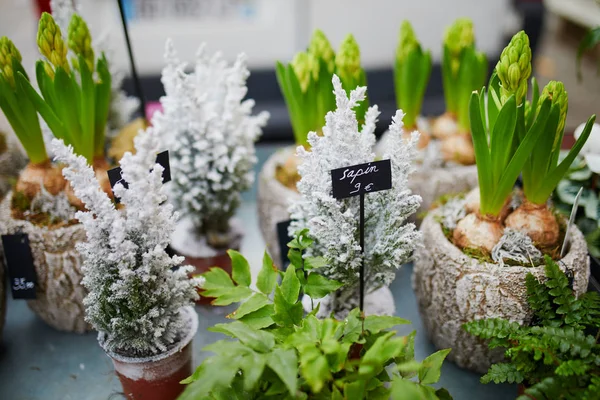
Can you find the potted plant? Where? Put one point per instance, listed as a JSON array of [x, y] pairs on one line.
[[306, 87], [477, 250], [445, 162], [139, 301], [210, 132], [334, 224], [584, 173], [555, 354], [42, 204], [277, 352], [121, 127]]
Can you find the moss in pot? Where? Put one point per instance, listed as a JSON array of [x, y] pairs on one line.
[[305, 84], [138, 300], [42, 204], [477, 253], [333, 223], [277, 352], [208, 126]]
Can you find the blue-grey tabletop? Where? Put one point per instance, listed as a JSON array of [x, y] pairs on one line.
[[40, 363]]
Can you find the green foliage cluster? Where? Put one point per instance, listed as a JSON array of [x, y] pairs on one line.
[[464, 69], [75, 97], [558, 355], [279, 353], [306, 82], [512, 135], [412, 69]]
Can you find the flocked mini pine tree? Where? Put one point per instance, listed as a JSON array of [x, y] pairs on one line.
[[135, 295], [389, 241], [210, 131]]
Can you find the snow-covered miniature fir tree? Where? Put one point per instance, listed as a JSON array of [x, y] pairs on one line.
[[209, 129], [135, 296], [389, 240], [122, 106]]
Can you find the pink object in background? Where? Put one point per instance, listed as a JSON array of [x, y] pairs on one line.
[[151, 108]]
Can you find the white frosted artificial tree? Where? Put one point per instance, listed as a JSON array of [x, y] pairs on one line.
[[333, 223], [135, 296], [210, 132]]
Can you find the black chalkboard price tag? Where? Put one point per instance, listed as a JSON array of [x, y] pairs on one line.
[[358, 180], [361, 178], [115, 175], [283, 238], [21, 270]]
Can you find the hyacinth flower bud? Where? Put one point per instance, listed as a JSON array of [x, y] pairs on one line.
[[8, 53], [459, 36], [407, 41], [347, 60], [306, 68], [514, 68], [50, 42], [321, 49], [556, 92], [80, 41]]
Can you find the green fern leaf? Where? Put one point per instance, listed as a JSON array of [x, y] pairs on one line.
[[572, 367], [492, 328], [501, 373]]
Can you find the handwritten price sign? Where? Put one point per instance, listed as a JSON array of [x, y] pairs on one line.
[[361, 178], [21, 269]]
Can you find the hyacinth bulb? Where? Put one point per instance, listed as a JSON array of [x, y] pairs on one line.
[[514, 68]]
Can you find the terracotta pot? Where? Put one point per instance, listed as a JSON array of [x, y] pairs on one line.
[[58, 264], [186, 246], [273, 201], [157, 377], [453, 288]]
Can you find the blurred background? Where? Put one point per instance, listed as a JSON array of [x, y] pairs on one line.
[[270, 30]]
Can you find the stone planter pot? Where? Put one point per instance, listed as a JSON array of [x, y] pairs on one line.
[[273, 201], [157, 377], [59, 291], [12, 161], [433, 182], [452, 288], [197, 253]]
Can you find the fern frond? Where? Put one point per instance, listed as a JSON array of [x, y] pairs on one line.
[[492, 328], [572, 368], [566, 340], [549, 388], [540, 301], [501, 373]]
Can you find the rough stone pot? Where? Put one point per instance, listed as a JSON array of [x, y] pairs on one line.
[[157, 377], [12, 161], [453, 288], [273, 201], [59, 291]]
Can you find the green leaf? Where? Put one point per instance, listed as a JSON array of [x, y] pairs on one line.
[[311, 263], [87, 117], [286, 314], [378, 323], [103, 97], [284, 363], [482, 155], [313, 366], [295, 257], [267, 277], [214, 372], [261, 318], [240, 268], [431, 367], [354, 390], [254, 303], [290, 286], [503, 372], [252, 365], [502, 137], [403, 389], [317, 286], [225, 296], [443, 394], [260, 341], [384, 349]]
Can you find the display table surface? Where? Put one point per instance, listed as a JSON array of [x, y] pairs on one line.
[[39, 363]]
